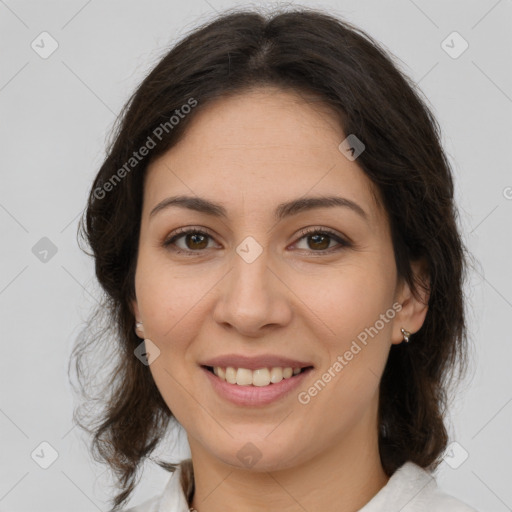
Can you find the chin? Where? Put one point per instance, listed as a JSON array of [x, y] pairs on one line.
[[260, 455]]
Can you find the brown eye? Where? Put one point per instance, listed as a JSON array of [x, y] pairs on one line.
[[319, 241], [196, 241], [193, 241]]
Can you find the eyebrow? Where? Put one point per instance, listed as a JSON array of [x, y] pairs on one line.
[[283, 210]]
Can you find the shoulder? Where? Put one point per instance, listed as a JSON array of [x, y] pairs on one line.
[[423, 492], [413, 489], [150, 505], [172, 499], [440, 501]]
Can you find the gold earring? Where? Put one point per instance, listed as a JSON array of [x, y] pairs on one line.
[[406, 334]]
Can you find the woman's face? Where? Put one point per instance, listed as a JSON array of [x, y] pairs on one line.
[[252, 283]]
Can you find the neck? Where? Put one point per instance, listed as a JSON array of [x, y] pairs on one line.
[[343, 478]]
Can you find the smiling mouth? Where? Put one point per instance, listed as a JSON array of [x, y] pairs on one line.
[[258, 378]]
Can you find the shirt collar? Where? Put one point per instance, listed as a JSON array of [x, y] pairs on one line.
[[401, 489], [173, 498], [408, 486]]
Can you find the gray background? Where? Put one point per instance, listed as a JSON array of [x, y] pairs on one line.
[[55, 116]]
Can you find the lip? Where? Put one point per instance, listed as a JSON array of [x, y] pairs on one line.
[[253, 396], [255, 362]]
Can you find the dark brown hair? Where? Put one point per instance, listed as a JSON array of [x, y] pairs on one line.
[[314, 53]]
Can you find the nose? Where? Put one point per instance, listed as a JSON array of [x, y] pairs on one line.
[[253, 297]]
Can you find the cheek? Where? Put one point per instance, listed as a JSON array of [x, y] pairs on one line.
[[171, 306], [348, 299], [354, 304], [170, 299]]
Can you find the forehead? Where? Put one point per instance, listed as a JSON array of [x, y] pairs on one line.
[[264, 147]]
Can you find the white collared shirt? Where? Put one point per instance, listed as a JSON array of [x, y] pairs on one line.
[[410, 489]]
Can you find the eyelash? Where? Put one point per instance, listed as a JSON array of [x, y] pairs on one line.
[[303, 234]]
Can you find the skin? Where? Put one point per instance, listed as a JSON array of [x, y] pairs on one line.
[[251, 152]]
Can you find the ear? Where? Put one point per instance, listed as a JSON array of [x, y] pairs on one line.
[[414, 307], [139, 329], [135, 310]]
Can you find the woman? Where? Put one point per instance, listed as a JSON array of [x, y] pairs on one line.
[[275, 233]]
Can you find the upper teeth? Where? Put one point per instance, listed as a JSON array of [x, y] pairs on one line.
[[260, 377]]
